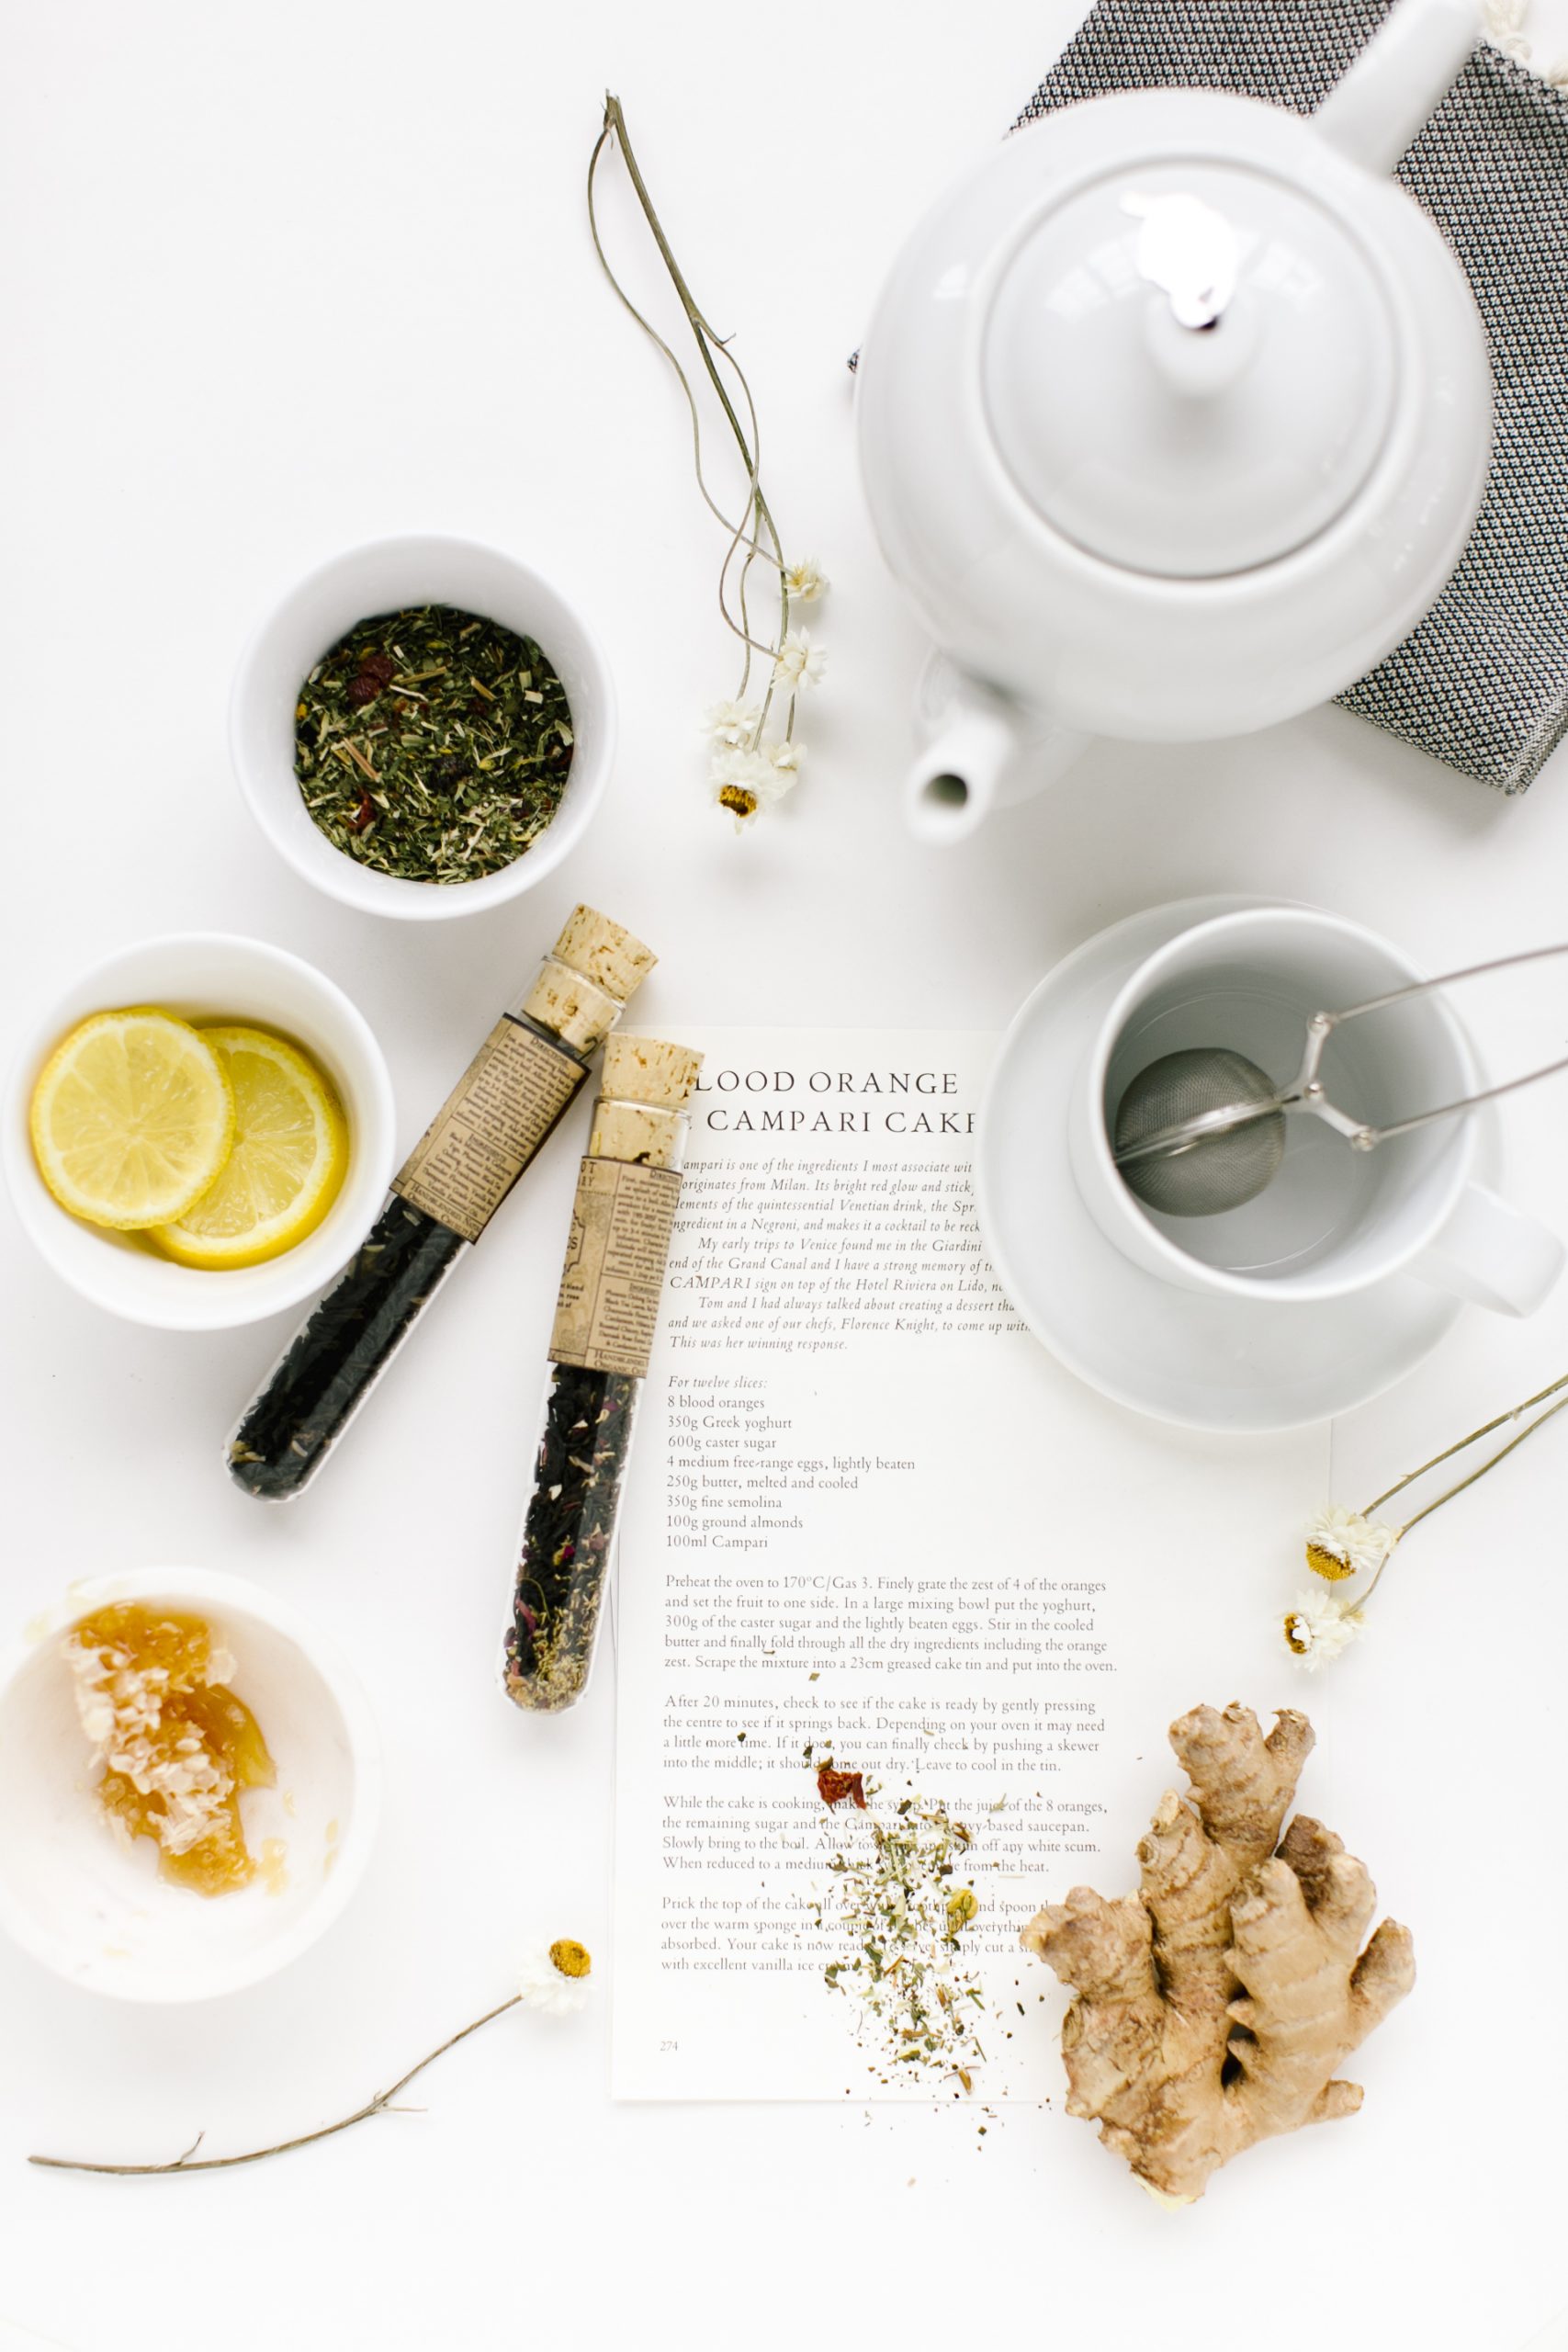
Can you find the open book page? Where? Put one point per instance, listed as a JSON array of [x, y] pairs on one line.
[[871, 1521]]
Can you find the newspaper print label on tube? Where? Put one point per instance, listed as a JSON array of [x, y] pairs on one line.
[[613, 1274], [489, 1128]]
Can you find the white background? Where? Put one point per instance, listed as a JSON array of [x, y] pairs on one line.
[[285, 277]]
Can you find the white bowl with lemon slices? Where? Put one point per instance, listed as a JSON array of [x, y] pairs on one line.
[[199, 1132]]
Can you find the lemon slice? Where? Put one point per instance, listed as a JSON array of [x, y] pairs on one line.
[[283, 1174], [132, 1119]]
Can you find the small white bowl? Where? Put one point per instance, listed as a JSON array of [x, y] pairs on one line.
[[208, 976], [90, 1904], [384, 577]]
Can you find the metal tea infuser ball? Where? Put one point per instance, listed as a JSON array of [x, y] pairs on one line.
[[1203, 1131]]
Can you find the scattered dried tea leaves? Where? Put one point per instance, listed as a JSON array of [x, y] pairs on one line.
[[898, 1917], [433, 744]]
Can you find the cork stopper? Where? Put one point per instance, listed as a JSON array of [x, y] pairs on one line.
[[647, 1069], [581, 1014], [585, 980], [604, 952], [641, 1112]]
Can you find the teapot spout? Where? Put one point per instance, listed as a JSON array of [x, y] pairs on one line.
[[982, 752], [954, 783], [1375, 110]]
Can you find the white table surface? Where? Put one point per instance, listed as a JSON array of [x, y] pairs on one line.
[[286, 277]]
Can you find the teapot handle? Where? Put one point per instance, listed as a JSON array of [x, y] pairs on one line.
[[1375, 110]]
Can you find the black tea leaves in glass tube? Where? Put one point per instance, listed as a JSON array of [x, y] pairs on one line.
[[490, 1126], [605, 1318]]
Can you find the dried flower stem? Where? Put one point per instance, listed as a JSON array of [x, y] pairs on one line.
[[1343, 1544], [758, 518], [1497, 1422], [1449, 1450], [382, 2104], [747, 770]]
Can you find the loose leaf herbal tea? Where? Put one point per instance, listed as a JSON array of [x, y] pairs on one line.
[[491, 1124], [433, 744], [896, 1906], [605, 1318]]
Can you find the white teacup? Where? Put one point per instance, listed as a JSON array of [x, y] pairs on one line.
[[1334, 1220]]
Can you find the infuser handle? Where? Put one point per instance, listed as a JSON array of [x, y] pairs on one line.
[[1322, 1025]]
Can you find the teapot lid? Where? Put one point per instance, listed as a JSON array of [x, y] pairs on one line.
[[1189, 369]]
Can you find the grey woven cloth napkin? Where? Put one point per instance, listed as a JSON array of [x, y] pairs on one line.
[[1485, 678], [1482, 683]]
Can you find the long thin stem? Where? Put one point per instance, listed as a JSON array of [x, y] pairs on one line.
[[1449, 1450], [1478, 1472], [736, 530], [380, 2105], [1490, 1463], [743, 532], [712, 349], [615, 122]]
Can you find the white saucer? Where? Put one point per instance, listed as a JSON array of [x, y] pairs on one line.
[[1209, 1364]]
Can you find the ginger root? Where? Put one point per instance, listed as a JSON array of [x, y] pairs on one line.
[[1214, 2005]]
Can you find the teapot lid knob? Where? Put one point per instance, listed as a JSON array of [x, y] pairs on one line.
[[1189, 250], [1189, 369]]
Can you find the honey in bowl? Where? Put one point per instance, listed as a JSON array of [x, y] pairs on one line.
[[178, 1748]]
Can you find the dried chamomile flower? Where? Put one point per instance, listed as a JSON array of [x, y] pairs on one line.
[[554, 1978], [732, 723], [1341, 1543], [1319, 1627], [798, 663], [804, 582], [747, 781], [1345, 1543]]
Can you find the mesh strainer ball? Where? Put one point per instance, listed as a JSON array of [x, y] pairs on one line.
[[1215, 1173]]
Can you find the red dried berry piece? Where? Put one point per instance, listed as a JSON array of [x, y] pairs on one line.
[[376, 670], [833, 1787], [364, 815]]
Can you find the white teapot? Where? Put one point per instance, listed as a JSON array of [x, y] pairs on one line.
[[1173, 418]]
